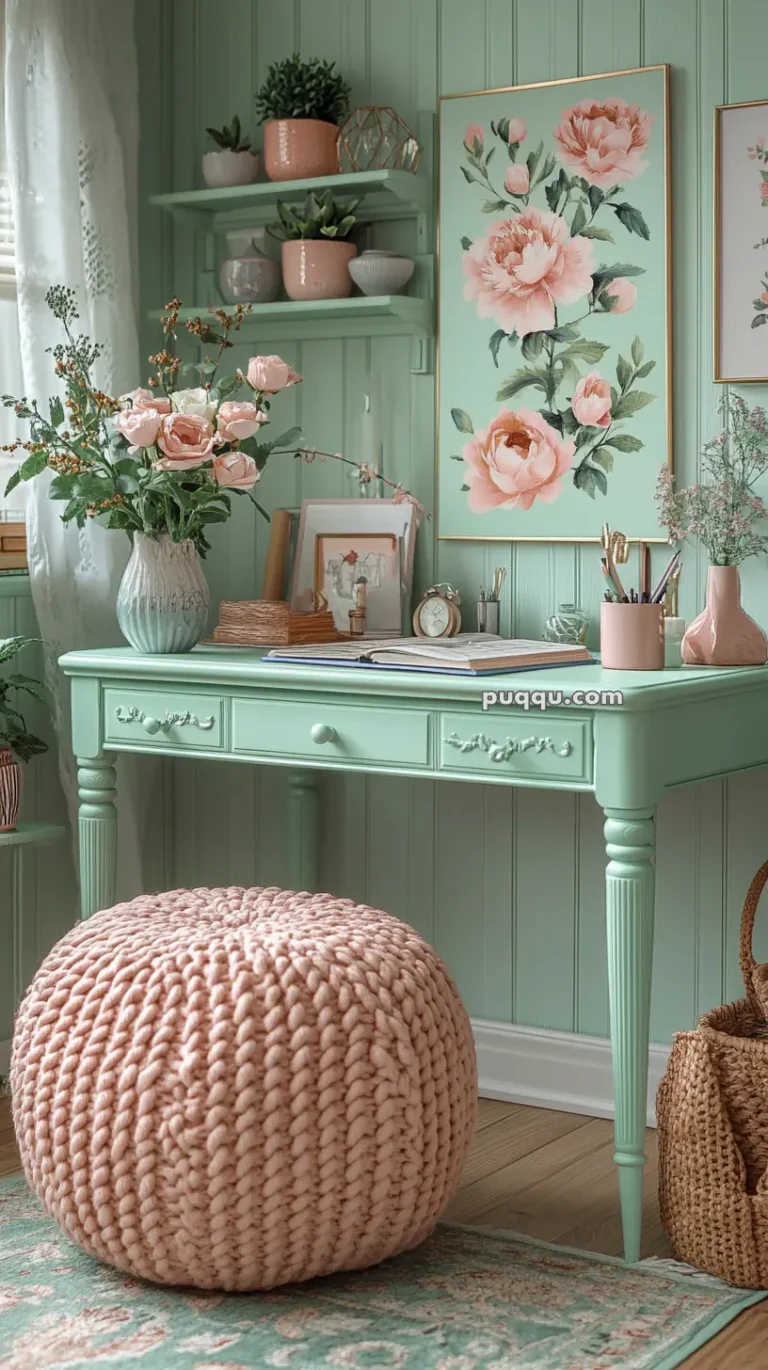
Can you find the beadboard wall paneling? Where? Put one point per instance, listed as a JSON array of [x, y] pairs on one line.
[[509, 887], [43, 905]]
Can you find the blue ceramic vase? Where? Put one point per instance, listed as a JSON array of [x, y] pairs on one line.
[[163, 599]]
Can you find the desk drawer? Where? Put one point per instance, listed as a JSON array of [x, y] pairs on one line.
[[330, 732], [147, 717], [529, 747]]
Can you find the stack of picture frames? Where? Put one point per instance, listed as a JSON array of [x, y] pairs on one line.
[[318, 557], [343, 543], [554, 398]]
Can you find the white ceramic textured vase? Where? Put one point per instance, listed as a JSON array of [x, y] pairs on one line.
[[163, 599]]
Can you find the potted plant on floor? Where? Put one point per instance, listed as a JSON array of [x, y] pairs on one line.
[[17, 743], [316, 252], [231, 162], [300, 105]]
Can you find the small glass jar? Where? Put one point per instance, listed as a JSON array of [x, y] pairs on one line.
[[674, 628], [567, 624]]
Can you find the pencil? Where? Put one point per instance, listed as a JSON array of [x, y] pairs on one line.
[[645, 572]]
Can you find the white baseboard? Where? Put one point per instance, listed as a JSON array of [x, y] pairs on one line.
[[560, 1070], [527, 1065]]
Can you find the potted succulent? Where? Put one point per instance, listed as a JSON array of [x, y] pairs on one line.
[[315, 251], [16, 742], [300, 105], [231, 162]]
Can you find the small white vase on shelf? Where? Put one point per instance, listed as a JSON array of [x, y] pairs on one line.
[[163, 599], [223, 167]]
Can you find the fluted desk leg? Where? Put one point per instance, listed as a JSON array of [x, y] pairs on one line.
[[98, 833], [629, 840]]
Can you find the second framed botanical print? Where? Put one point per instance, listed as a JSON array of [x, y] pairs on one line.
[[554, 334], [741, 242]]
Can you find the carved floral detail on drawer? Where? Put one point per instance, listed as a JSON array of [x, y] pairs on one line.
[[154, 725], [511, 746]]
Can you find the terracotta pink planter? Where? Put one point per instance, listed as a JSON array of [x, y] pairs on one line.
[[316, 269], [724, 635], [295, 149], [10, 790]]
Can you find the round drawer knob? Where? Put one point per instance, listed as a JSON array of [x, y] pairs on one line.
[[323, 732], [151, 725]]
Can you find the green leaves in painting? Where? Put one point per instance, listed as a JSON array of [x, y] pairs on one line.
[[462, 421], [632, 219]]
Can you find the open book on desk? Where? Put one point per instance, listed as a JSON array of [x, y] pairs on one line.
[[465, 654]]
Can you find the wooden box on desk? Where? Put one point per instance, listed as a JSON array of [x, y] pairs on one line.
[[13, 546], [272, 623]]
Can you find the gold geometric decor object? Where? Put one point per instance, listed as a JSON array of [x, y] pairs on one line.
[[375, 138]]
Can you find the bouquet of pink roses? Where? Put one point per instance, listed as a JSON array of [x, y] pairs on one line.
[[164, 459]]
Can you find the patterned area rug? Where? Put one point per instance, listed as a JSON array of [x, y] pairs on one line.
[[465, 1300]]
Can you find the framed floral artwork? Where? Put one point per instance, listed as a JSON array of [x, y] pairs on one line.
[[554, 352], [741, 242]]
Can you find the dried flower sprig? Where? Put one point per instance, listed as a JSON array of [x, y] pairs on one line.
[[723, 510]]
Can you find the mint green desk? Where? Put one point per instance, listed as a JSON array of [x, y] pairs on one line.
[[673, 728]]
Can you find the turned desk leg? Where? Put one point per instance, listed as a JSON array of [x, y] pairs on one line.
[[98, 833], [629, 841], [303, 830]]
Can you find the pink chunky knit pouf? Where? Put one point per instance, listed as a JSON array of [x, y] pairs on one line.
[[238, 1088]]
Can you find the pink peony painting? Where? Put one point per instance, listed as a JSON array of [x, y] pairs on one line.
[[553, 302]]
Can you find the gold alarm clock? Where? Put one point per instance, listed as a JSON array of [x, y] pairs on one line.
[[437, 614]]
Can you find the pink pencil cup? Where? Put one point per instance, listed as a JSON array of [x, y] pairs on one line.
[[631, 636]]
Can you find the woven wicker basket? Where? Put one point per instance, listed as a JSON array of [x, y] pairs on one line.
[[712, 1114]]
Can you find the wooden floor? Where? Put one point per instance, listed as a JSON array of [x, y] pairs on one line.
[[550, 1175]]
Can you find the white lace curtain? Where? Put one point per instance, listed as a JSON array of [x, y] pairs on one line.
[[72, 124]]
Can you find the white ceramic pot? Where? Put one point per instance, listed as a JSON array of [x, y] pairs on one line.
[[255, 280], [222, 167], [163, 598], [381, 273]]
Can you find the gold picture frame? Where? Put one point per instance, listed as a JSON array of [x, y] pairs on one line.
[[746, 217], [483, 536]]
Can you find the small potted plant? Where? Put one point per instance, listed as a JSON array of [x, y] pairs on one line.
[[300, 105], [231, 162], [15, 739], [315, 251]]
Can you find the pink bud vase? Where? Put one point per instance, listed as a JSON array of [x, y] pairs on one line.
[[724, 635]]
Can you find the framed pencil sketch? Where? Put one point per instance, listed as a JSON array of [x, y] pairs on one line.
[[554, 351], [330, 529], [341, 560], [741, 242]]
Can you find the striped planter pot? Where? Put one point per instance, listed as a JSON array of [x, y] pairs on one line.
[[10, 790]]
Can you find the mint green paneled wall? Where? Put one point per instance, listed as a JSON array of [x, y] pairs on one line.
[[36, 912], [509, 887]]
